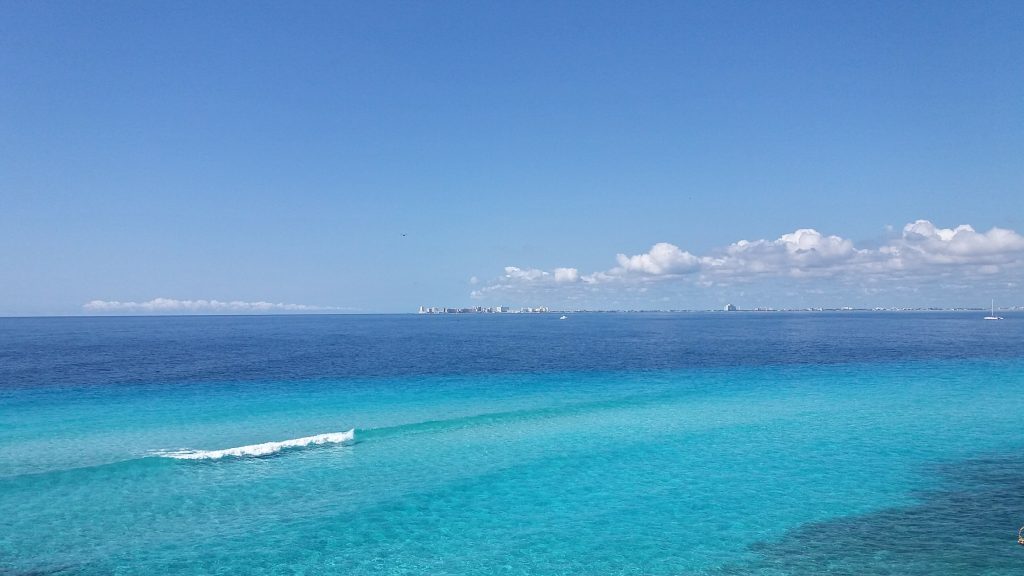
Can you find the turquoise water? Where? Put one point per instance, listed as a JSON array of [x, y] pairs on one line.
[[827, 459]]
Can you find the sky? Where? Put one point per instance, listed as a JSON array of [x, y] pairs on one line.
[[276, 157]]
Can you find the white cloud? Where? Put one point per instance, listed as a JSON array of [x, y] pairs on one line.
[[558, 275], [663, 258], [567, 275], [805, 251], [516, 278], [960, 245], [171, 305], [513, 273], [922, 251]]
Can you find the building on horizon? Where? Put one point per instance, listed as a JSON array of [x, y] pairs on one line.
[[483, 310]]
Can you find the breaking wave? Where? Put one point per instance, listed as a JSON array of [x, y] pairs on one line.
[[265, 449]]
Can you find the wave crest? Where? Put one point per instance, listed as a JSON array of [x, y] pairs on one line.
[[264, 449]]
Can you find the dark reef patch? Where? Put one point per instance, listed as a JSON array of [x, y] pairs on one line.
[[48, 571], [966, 526]]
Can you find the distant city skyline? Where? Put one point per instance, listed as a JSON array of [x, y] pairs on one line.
[[334, 158]]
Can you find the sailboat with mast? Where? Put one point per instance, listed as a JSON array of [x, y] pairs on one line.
[[992, 313]]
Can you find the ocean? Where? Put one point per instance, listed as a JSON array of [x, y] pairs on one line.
[[623, 444]]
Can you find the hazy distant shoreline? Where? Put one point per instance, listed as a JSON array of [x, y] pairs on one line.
[[549, 312]]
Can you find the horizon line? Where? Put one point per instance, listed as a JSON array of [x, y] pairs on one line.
[[895, 309]]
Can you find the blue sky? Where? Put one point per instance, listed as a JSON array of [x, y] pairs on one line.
[[378, 156]]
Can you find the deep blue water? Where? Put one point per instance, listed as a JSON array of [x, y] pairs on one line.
[[740, 443]]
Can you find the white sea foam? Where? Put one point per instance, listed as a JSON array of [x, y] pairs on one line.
[[265, 449]]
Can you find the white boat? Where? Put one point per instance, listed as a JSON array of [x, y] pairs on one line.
[[992, 313], [564, 318]]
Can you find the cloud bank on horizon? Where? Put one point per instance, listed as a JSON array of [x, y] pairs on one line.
[[921, 252], [173, 306]]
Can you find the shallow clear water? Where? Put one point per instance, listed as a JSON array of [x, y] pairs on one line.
[[605, 444]]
